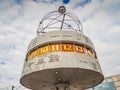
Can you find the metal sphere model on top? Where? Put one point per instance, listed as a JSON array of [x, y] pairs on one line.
[[61, 57]]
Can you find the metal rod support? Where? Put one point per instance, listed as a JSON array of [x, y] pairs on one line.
[[62, 22]]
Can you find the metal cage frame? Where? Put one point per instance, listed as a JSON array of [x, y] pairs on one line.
[[63, 19]]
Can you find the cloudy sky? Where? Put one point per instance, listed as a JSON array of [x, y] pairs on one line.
[[19, 21]]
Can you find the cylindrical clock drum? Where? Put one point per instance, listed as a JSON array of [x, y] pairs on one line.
[[61, 57]]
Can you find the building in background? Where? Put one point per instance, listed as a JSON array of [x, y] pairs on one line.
[[110, 83]]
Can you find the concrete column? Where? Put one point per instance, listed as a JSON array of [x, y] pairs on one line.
[[62, 86]]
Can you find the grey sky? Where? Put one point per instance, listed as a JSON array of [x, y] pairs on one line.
[[19, 21]]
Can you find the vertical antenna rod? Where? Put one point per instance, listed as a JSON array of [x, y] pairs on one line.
[[62, 10], [62, 22]]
